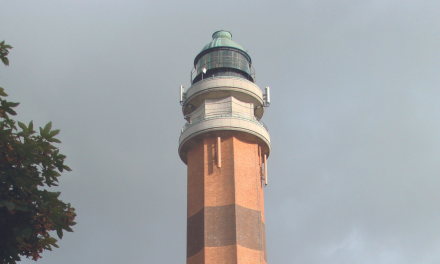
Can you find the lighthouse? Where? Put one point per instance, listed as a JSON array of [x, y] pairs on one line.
[[225, 146]]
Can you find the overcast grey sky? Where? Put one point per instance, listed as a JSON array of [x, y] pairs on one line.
[[354, 121]]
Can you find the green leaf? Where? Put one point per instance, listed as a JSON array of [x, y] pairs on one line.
[[53, 140], [27, 232], [52, 241], [11, 104], [47, 128], [54, 133], [31, 126], [23, 126], [10, 111], [5, 61], [25, 209], [60, 232], [2, 92], [10, 205]]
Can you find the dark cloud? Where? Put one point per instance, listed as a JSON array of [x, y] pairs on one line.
[[354, 121]]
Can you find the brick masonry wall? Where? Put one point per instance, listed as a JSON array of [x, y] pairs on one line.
[[225, 205]]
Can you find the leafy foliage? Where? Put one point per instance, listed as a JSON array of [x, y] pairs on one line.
[[29, 163], [4, 51]]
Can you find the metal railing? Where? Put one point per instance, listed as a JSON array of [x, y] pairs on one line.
[[219, 116]]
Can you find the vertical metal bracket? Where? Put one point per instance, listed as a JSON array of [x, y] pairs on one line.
[[266, 97], [182, 95], [219, 152], [265, 170]]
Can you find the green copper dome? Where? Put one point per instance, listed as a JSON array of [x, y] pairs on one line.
[[222, 57], [222, 38]]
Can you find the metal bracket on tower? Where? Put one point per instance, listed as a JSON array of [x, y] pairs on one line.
[[266, 97], [182, 95], [265, 170], [219, 152]]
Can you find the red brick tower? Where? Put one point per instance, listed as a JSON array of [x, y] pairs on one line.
[[225, 146]]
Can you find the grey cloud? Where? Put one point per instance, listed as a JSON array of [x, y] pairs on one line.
[[354, 121]]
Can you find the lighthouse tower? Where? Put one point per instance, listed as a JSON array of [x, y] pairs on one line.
[[225, 146]]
